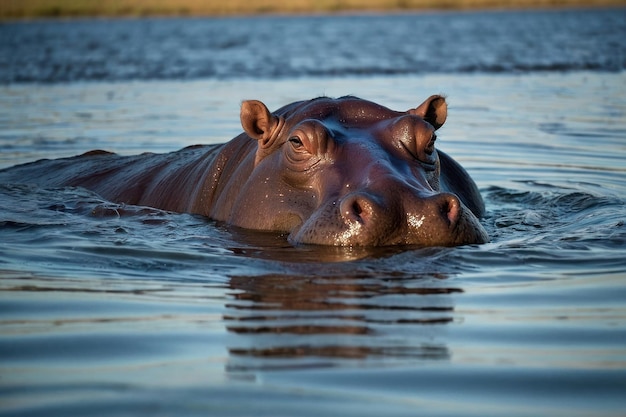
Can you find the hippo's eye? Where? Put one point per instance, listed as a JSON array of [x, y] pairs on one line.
[[296, 142], [430, 146]]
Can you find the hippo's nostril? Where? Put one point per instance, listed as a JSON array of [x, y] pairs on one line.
[[357, 208], [450, 208]]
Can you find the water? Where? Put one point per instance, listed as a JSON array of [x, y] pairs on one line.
[[278, 47], [133, 311]]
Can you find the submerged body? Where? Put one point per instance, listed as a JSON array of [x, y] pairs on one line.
[[326, 171]]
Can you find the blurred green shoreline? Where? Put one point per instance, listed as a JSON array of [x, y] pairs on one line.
[[29, 9]]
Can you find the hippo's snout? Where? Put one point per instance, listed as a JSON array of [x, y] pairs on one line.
[[368, 219], [366, 209]]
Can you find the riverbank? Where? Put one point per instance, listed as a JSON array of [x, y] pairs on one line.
[[25, 9]]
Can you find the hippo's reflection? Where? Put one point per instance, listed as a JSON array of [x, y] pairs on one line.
[[289, 321]]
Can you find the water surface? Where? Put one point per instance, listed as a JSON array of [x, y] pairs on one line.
[[106, 309], [319, 46]]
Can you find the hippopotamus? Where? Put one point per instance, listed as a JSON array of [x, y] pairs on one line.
[[343, 172]]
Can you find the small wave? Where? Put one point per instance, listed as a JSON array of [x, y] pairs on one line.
[[552, 220]]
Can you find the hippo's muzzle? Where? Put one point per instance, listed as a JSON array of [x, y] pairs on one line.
[[364, 219]]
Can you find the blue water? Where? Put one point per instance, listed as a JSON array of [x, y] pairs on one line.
[[319, 46], [118, 310]]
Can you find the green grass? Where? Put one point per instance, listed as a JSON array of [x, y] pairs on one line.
[[20, 9]]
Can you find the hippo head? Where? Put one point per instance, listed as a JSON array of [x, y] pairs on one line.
[[349, 172]]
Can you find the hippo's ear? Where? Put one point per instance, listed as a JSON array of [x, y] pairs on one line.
[[434, 110], [259, 123]]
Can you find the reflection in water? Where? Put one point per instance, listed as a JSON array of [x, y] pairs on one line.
[[273, 246], [322, 319]]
